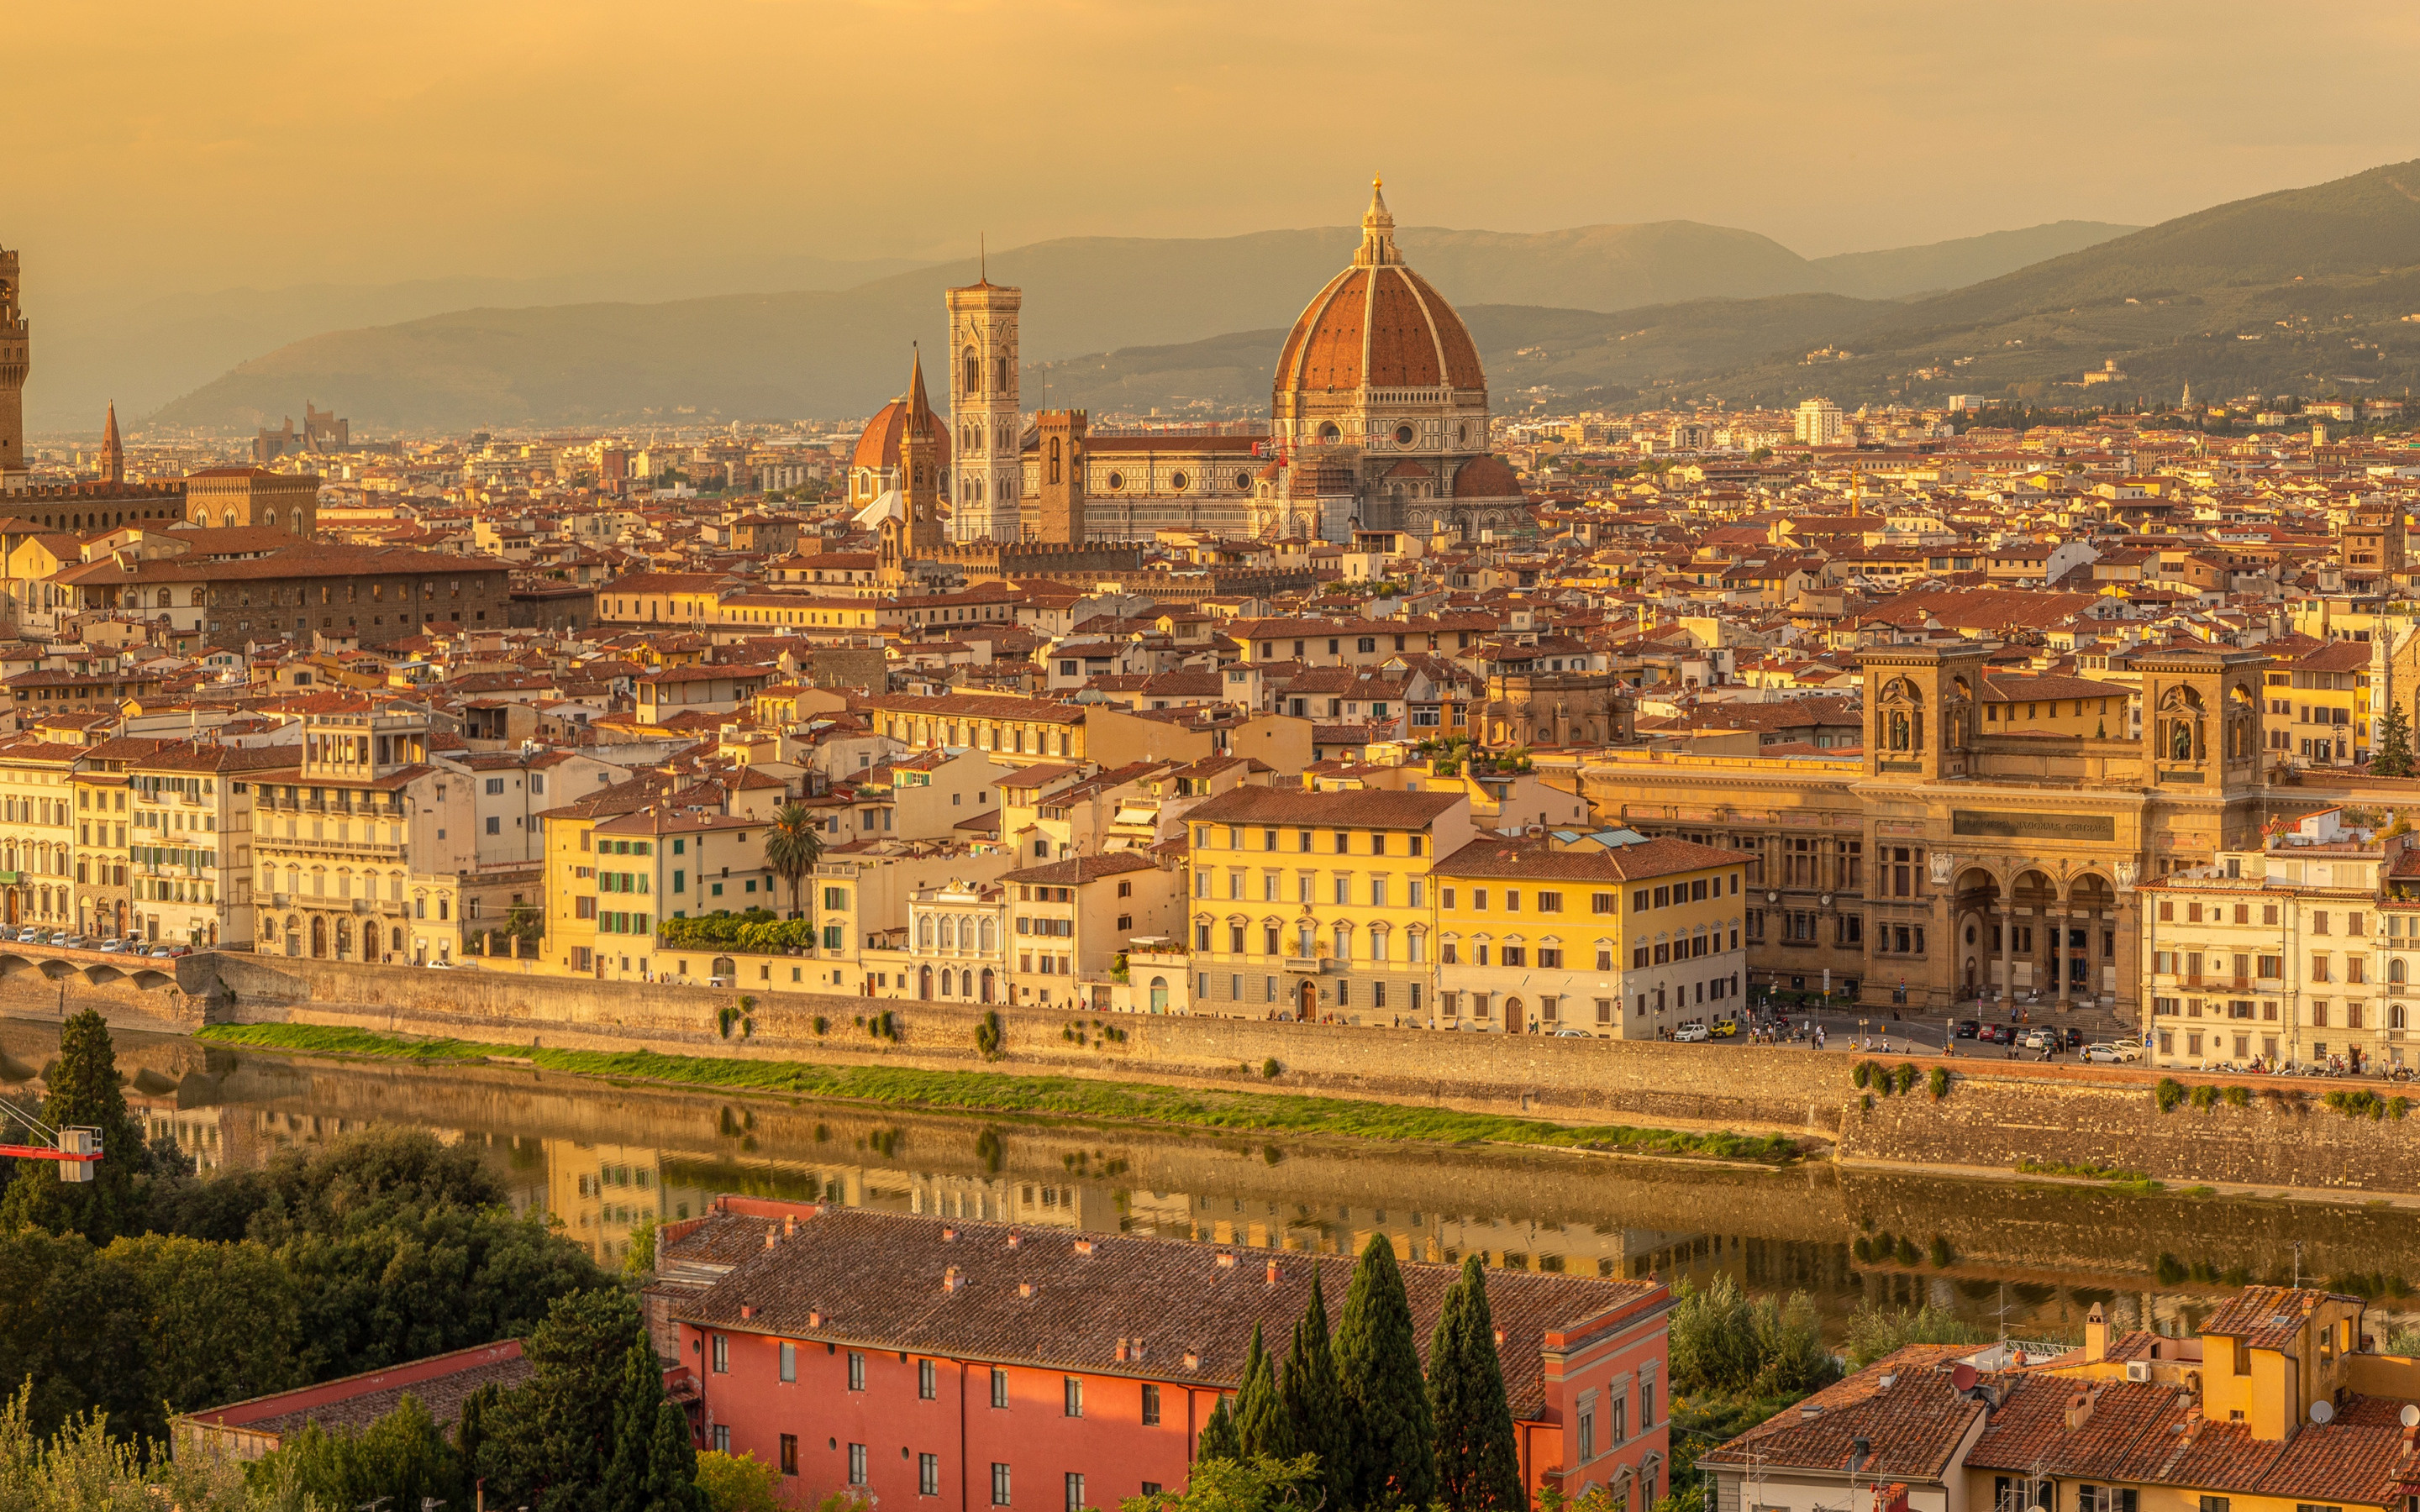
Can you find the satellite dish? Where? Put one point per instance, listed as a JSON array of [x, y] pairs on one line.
[[1963, 1376], [2323, 1411], [2410, 1415]]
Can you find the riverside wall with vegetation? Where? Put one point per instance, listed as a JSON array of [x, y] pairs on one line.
[[2101, 1123]]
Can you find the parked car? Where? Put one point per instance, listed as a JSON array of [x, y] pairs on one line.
[[2037, 1039], [2074, 1038], [2100, 1053], [440, 965], [1574, 1034], [1692, 1033], [1969, 1028], [71, 942], [117, 946], [162, 952], [31, 936], [1725, 1028]]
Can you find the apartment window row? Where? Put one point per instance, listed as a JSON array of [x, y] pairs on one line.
[[1340, 841]]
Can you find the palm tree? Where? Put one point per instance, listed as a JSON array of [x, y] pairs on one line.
[[793, 846]]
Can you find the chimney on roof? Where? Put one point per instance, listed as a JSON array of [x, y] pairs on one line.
[[2079, 1410], [771, 1236], [1025, 1288], [1273, 1272], [1014, 1239], [746, 1312], [949, 1279], [789, 1224]]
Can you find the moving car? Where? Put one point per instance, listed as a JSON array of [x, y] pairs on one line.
[[1692, 1033], [1725, 1029]]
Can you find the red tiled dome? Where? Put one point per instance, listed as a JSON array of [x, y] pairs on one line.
[[1487, 477], [1377, 325], [1379, 328], [877, 445]]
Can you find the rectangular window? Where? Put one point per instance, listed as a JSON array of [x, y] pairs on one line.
[[998, 1387], [857, 1464], [928, 1475], [1150, 1405], [999, 1483], [722, 1355], [856, 1371], [1076, 1490], [927, 1387], [789, 1361], [722, 1438], [1073, 1395], [789, 1454], [1550, 903]]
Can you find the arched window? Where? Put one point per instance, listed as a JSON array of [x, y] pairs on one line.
[[1159, 994], [974, 372], [2395, 970], [990, 939], [1054, 459], [925, 936], [949, 940]]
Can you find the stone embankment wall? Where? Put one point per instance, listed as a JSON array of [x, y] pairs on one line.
[[2073, 1117], [1580, 1080], [1997, 1116]]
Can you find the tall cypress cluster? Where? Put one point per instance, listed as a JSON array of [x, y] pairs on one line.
[[1383, 1434]]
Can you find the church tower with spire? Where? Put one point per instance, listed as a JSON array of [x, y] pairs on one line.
[[987, 470], [113, 451], [15, 362], [920, 465]]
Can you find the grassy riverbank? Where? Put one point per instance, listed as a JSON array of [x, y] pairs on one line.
[[971, 1092]]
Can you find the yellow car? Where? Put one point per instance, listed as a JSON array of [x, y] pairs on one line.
[[1726, 1029]]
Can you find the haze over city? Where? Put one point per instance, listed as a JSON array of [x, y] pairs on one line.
[[975, 758]]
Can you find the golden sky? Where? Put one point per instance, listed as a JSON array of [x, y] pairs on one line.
[[158, 148]]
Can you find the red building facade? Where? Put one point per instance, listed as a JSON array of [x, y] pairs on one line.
[[971, 1366]]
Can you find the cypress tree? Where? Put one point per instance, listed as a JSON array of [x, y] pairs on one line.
[[1259, 1415], [634, 1431], [1393, 1457], [1315, 1398], [1218, 1441], [2392, 752], [672, 1463], [1478, 1466]]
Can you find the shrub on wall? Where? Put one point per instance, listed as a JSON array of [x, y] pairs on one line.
[[1939, 1081], [2238, 1097], [2168, 1093], [1863, 1075], [2205, 1096], [1907, 1076], [987, 1036]]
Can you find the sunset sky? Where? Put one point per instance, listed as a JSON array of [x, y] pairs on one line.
[[160, 148]]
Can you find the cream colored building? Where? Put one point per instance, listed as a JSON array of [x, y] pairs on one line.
[[37, 832], [2297, 953]]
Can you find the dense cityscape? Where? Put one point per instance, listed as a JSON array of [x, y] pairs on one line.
[[1608, 869]]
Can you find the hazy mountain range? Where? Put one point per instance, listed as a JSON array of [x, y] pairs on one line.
[[2301, 291], [817, 349]]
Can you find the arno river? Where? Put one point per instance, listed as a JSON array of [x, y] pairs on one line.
[[599, 1156]]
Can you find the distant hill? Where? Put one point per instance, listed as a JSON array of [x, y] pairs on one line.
[[142, 355], [1948, 265], [825, 353]]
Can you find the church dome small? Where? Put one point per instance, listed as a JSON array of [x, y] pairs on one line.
[[1487, 477], [877, 445]]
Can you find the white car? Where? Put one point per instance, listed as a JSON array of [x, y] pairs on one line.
[[1574, 1034], [2035, 1040], [1691, 1033], [2100, 1053]]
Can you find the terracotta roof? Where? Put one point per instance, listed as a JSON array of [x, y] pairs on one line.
[[1501, 856], [1358, 807], [1065, 1300]]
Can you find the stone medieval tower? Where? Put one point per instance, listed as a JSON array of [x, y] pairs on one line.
[[920, 467], [986, 476], [15, 360], [113, 449], [1058, 437]]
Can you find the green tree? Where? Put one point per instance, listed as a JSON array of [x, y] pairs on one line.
[[792, 846], [547, 1445], [1219, 1440], [1261, 1426], [1387, 1402], [1874, 1331], [736, 1483], [2393, 755], [654, 1467], [672, 1479], [638, 1259], [1478, 1464], [1314, 1398], [84, 1093], [1258, 1484], [401, 1457]]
